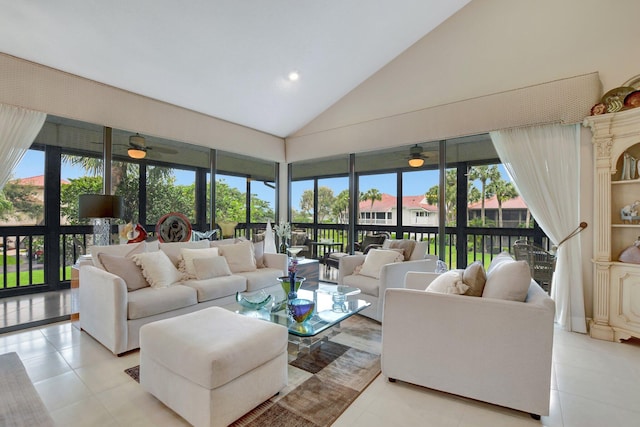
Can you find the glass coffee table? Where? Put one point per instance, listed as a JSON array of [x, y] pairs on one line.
[[333, 304]]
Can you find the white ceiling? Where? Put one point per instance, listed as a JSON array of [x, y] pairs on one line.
[[224, 58]]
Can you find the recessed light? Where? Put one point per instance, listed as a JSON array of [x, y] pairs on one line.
[[294, 76]]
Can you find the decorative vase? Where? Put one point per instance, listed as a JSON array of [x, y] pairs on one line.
[[291, 290], [300, 309], [283, 245]]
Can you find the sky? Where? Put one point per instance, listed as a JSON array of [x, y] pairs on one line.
[[415, 182]]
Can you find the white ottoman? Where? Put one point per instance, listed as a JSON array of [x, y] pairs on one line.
[[213, 366]]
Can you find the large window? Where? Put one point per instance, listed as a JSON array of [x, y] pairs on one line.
[[22, 198], [169, 190]]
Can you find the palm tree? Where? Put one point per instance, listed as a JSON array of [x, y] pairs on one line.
[[372, 194], [484, 174], [503, 191]]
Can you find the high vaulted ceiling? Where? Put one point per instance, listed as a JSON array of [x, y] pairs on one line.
[[225, 58]]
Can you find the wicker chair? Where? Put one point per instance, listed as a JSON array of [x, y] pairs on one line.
[[541, 263]]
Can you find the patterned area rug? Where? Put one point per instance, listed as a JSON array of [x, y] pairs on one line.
[[323, 383]]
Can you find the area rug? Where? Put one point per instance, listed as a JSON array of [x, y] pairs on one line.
[[322, 383], [20, 404]]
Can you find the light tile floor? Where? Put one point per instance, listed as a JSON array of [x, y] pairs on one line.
[[595, 383]]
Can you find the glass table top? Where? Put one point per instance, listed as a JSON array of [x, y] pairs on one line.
[[332, 305]]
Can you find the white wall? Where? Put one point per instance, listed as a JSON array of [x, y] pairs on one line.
[[489, 46], [40, 88]]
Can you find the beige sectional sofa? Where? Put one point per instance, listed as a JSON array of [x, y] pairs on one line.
[[127, 286]]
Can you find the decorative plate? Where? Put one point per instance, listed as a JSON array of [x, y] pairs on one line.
[[173, 227], [614, 99]]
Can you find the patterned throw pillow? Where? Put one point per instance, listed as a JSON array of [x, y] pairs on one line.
[[474, 277], [158, 269]]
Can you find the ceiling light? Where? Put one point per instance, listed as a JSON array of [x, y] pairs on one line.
[[416, 162], [415, 156], [294, 76], [135, 153]]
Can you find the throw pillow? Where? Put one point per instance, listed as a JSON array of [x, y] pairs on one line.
[[158, 269], [208, 268], [126, 269], [375, 260], [407, 246], [258, 251], [174, 249], [117, 250], [508, 280], [448, 283], [240, 256], [474, 277], [501, 257], [188, 255]]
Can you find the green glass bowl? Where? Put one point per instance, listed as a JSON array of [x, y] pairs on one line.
[[254, 301]]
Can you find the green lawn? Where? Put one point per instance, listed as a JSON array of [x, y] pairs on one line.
[[37, 278]]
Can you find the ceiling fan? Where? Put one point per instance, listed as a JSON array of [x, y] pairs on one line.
[[417, 156], [138, 147]]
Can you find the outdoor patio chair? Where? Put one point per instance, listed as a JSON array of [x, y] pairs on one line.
[[542, 264]]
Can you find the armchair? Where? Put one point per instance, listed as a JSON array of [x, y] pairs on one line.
[[300, 239], [494, 350], [391, 275]]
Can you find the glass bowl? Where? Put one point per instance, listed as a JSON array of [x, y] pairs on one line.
[[254, 300]]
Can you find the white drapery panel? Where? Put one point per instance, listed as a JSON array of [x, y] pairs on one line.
[[544, 164], [18, 129]]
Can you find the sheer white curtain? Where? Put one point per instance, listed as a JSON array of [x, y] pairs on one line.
[[544, 162], [18, 129]]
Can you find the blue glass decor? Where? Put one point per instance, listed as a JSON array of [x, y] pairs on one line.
[[300, 309]]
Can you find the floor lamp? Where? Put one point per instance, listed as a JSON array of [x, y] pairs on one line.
[[101, 208]]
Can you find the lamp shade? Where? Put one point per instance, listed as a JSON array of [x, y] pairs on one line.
[[99, 206], [416, 162], [136, 153]]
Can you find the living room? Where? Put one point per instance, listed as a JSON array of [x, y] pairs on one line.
[[501, 48]]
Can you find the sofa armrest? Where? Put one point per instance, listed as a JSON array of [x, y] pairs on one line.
[[103, 307], [493, 350], [419, 280], [279, 261], [348, 264], [393, 275]]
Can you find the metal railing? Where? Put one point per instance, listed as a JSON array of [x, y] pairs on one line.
[[25, 258]]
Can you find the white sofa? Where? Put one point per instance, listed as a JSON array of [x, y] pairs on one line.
[[391, 275], [112, 313], [493, 350]]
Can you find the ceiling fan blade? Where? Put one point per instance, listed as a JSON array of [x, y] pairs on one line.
[[164, 150]]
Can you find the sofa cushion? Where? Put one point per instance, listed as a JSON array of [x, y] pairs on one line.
[[188, 255], [240, 256], [376, 259], [260, 278], [158, 269], [147, 302], [407, 246], [209, 268], [500, 258], [118, 250], [475, 277], [448, 283], [258, 251], [174, 249], [508, 280], [367, 285], [126, 269], [219, 287]]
